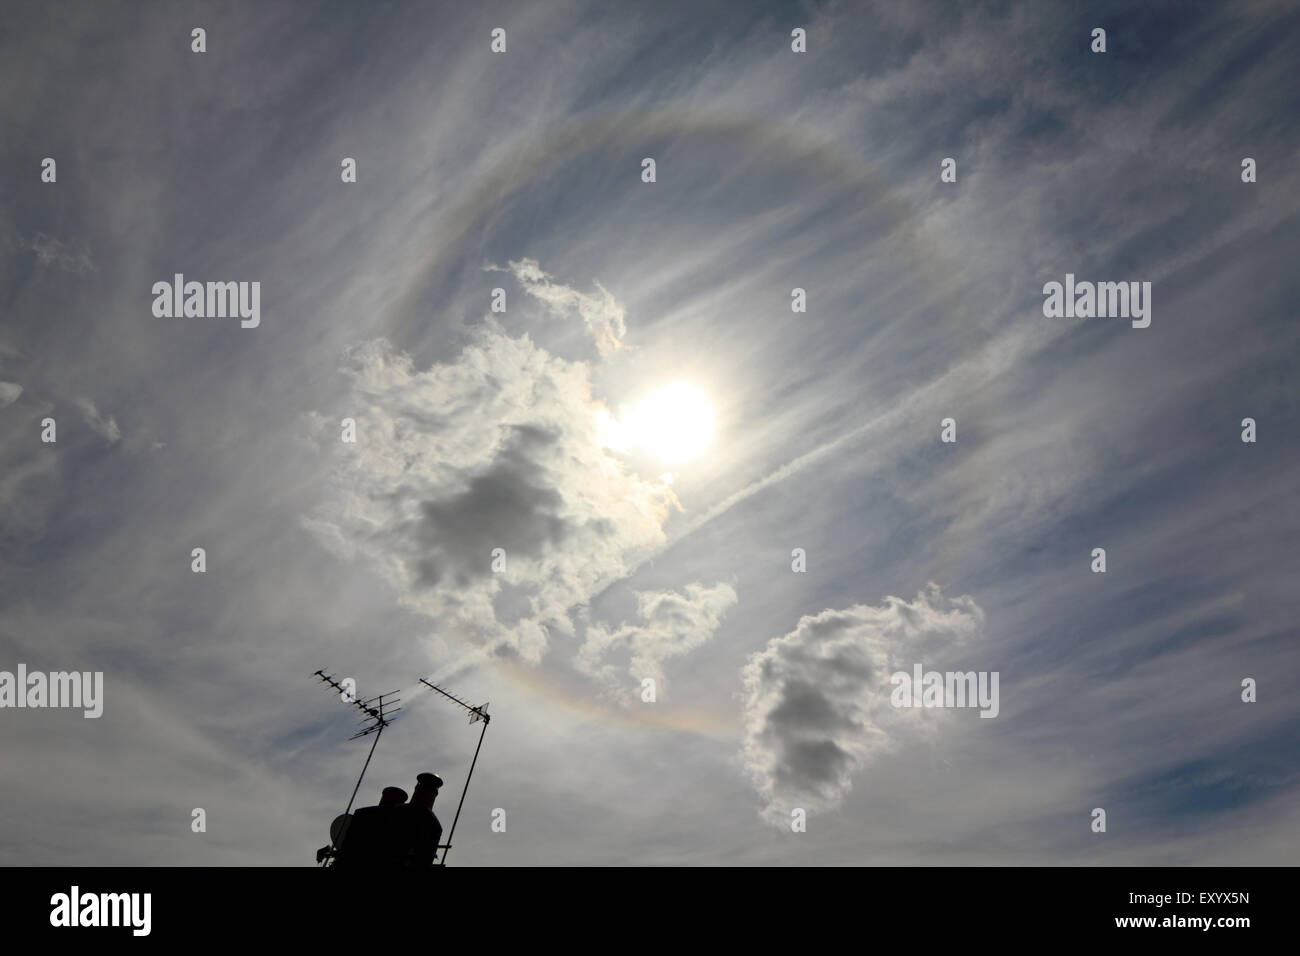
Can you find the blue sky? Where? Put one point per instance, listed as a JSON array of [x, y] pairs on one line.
[[478, 430]]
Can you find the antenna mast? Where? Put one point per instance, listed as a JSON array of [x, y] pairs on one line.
[[475, 714]]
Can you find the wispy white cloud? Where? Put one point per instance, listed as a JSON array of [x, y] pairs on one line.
[[105, 428], [671, 624], [601, 313], [56, 253]]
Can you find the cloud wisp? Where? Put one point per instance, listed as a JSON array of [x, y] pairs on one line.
[[601, 313], [671, 624]]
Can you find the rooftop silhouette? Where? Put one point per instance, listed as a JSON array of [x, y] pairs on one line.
[[392, 835]]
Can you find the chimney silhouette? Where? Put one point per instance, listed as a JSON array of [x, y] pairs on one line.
[[427, 786], [394, 834], [424, 831]]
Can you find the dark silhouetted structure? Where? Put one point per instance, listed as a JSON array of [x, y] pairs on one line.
[[394, 835]]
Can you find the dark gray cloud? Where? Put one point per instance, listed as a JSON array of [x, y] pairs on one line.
[[504, 504]]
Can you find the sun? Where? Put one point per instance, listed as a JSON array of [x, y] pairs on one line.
[[673, 423]]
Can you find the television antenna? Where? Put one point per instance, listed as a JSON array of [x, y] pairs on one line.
[[475, 715], [378, 713]]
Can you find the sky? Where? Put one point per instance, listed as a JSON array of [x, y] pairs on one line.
[[646, 463]]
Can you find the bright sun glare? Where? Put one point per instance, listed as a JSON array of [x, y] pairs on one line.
[[673, 423]]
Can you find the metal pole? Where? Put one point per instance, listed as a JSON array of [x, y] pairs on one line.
[[363, 769], [465, 789]]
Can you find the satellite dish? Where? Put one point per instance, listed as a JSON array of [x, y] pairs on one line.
[[339, 829]]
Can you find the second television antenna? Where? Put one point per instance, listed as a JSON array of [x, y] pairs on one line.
[[475, 715]]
